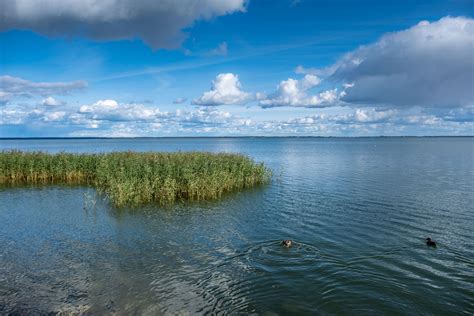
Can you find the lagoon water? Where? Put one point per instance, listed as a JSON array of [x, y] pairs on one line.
[[357, 209]]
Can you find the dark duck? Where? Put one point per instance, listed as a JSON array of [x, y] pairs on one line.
[[286, 243], [430, 243]]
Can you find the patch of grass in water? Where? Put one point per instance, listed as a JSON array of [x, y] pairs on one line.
[[133, 178]]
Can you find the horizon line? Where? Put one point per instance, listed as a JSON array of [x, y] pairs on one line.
[[246, 136]]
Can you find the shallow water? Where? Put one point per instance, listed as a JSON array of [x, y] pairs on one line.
[[358, 211]]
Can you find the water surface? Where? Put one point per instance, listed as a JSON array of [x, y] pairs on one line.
[[358, 211]]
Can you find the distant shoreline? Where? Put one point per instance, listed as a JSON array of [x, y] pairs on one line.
[[210, 137]]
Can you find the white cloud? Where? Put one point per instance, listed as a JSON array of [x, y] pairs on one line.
[[13, 87], [294, 92], [309, 81], [226, 90], [50, 101], [13, 115], [429, 65], [138, 119], [111, 110], [203, 116], [371, 115], [364, 122], [158, 23], [112, 118], [147, 118], [350, 116], [56, 116], [99, 106]]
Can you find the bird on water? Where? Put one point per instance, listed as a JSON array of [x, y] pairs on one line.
[[430, 242], [286, 243]]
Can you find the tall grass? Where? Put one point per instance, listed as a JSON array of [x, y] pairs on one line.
[[131, 178]]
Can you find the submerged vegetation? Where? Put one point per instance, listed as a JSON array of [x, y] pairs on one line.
[[131, 178]]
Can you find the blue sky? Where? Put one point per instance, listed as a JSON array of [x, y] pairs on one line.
[[211, 68]]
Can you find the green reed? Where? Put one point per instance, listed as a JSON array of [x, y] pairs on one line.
[[131, 178]]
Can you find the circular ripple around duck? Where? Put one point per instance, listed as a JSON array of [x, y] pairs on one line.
[[255, 279]]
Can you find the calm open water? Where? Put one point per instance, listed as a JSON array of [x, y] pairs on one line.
[[358, 211]]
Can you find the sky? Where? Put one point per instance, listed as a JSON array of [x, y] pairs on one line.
[[150, 68]]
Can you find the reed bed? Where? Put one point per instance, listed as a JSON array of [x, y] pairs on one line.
[[132, 178]]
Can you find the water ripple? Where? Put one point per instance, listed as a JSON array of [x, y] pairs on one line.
[[358, 211]]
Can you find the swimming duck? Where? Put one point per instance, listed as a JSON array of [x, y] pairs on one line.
[[286, 243], [430, 242]]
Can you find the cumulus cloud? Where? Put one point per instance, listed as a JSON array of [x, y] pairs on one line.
[[429, 65], [13, 115], [203, 117], [365, 122], [111, 110], [371, 115], [13, 87], [293, 92], [101, 105], [50, 101], [158, 23], [112, 118], [55, 116], [357, 116], [226, 90], [106, 113], [104, 117]]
